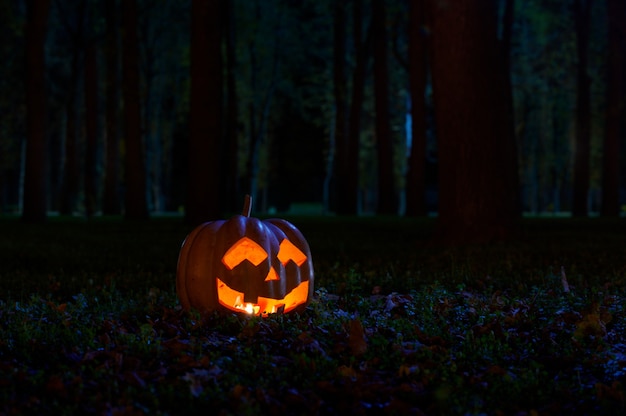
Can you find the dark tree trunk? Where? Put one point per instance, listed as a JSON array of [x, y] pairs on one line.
[[91, 127], [35, 173], [387, 198], [583, 112], [340, 88], [111, 197], [134, 167], [203, 182], [615, 104], [418, 67], [475, 189]]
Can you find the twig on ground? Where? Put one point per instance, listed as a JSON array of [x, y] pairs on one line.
[[564, 280]]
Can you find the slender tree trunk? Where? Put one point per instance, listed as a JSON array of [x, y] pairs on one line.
[[203, 180], [259, 112], [255, 133], [254, 136], [340, 89], [155, 127], [615, 105], [387, 198], [474, 185], [329, 165], [363, 52], [583, 113], [111, 197], [91, 127], [259, 116], [232, 191], [71, 173], [152, 129], [508, 146], [418, 67], [134, 166], [35, 178]]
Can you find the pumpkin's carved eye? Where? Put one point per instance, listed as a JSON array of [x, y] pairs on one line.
[[246, 249], [288, 252]]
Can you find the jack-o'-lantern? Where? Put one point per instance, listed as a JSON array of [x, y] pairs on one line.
[[245, 265]]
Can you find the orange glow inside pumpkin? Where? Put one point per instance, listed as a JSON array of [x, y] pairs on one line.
[[232, 299], [247, 249]]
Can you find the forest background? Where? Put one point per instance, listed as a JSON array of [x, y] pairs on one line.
[[476, 111]]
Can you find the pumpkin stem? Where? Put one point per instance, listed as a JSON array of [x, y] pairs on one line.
[[247, 206]]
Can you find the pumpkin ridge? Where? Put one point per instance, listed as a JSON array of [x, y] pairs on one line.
[[183, 258]]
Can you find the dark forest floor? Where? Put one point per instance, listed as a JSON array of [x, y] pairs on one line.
[[89, 322]]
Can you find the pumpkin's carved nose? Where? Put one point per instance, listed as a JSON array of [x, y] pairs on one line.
[[272, 275]]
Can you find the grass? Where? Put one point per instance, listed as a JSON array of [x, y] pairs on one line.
[[91, 324]]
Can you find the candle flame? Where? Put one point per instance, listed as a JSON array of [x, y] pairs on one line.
[[249, 308]]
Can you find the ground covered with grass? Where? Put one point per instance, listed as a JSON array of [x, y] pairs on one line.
[[90, 323]]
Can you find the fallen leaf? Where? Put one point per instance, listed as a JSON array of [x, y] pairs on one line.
[[591, 325], [347, 372], [356, 339]]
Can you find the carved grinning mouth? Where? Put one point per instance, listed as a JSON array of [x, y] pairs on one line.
[[233, 300], [246, 249]]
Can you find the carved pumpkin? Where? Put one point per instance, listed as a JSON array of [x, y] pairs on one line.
[[245, 265]]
